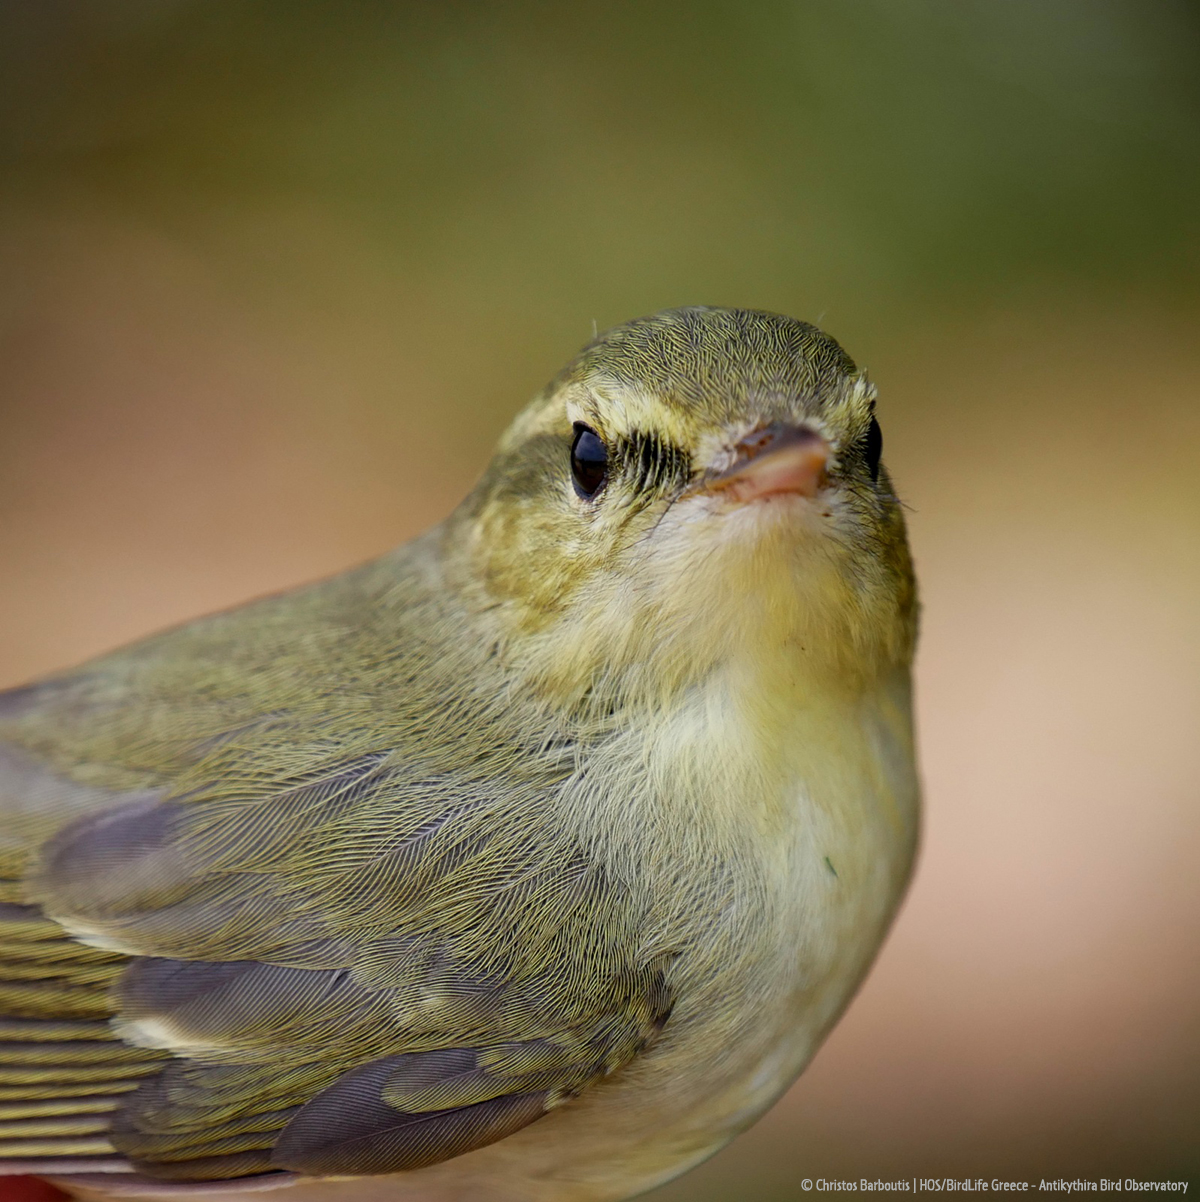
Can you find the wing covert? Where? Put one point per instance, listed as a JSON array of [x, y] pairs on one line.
[[328, 962]]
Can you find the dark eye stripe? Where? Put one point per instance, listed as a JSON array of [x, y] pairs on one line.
[[653, 464]]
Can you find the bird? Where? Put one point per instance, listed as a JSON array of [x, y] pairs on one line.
[[531, 861]]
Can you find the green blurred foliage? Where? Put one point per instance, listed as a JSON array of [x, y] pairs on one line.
[[559, 163]]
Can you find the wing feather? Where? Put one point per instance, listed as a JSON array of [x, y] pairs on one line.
[[240, 940], [350, 1129]]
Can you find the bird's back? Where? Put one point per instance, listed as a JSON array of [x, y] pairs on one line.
[[276, 864]]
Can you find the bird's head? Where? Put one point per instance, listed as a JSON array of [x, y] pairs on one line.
[[695, 486]]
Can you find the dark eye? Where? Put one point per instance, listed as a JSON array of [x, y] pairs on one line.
[[873, 448], [589, 461]]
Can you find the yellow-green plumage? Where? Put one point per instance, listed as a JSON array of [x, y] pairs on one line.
[[594, 807]]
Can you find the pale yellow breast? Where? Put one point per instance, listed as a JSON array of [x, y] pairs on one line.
[[786, 844]]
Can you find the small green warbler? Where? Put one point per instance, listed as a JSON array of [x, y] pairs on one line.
[[531, 861]]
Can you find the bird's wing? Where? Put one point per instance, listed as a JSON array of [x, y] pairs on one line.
[[319, 952]]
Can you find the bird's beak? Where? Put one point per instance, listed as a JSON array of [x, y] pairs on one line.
[[778, 459]]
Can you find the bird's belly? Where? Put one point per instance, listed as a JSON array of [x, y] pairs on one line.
[[739, 1037]]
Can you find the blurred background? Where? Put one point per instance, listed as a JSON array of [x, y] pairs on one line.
[[275, 275]]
